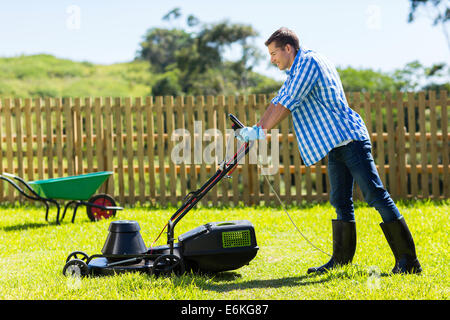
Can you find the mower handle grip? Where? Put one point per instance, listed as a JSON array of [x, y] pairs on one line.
[[236, 123]]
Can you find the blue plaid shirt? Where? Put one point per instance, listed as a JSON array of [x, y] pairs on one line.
[[322, 118]]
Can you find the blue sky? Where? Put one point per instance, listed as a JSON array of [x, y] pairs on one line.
[[362, 34]]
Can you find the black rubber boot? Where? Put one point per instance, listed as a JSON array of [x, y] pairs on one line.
[[344, 246], [402, 245]]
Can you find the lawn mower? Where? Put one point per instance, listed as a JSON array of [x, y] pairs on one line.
[[210, 248]]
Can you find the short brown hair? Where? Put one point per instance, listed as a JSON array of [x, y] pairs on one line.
[[282, 37]]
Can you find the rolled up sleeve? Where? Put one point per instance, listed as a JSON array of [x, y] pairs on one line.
[[298, 85]]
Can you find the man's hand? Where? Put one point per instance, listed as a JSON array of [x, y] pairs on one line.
[[251, 133]]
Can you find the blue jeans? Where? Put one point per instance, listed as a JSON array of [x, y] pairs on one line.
[[354, 162]]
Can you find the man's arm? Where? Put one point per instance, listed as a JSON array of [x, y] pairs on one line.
[[273, 115]]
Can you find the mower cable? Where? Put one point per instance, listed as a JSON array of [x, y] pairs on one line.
[[289, 216]]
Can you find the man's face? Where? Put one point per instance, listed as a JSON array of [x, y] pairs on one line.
[[282, 57]]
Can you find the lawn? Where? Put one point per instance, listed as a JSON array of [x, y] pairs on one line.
[[33, 253]]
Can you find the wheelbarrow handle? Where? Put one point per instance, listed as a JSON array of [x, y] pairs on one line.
[[32, 196], [9, 175]]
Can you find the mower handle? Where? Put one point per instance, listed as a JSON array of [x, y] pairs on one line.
[[236, 123], [195, 196]]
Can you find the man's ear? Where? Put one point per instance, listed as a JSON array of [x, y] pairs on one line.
[[288, 48]]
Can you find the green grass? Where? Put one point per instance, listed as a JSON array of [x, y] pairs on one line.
[[33, 253]]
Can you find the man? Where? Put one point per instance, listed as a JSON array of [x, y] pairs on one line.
[[324, 124]]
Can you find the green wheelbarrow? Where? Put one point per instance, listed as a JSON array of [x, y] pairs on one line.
[[79, 189]]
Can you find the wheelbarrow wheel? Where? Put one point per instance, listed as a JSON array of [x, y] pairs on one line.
[[104, 200]]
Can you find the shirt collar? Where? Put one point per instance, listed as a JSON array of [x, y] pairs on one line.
[[290, 71]]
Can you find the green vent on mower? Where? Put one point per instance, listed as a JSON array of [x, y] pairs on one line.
[[233, 239]]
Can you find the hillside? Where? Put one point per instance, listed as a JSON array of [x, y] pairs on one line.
[[44, 75]]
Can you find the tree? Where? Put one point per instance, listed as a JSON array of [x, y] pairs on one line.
[[198, 56], [160, 47], [366, 80], [415, 76], [439, 10]]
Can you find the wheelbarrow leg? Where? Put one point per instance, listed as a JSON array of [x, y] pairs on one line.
[[75, 210], [66, 207], [46, 211], [57, 213], [77, 203]]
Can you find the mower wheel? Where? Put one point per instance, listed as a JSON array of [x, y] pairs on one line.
[[80, 255], [104, 200], [76, 268], [167, 264]]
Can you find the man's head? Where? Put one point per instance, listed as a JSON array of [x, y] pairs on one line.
[[283, 46]]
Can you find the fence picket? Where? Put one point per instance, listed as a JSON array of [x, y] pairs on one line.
[[89, 134], [108, 144], [129, 149], [140, 148], [78, 124], [9, 145], [69, 134], [17, 115], [412, 143], [392, 160], [59, 138], [423, 146], [445, 161], [117, 115], [150, 147], [29, 139], [160, 146]]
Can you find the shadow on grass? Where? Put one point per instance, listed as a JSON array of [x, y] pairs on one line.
[[26, 226], [226, 281]]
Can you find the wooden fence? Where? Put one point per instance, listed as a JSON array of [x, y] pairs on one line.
[[55, 137]]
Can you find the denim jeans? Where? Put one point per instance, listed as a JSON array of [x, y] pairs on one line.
[[354, 162]]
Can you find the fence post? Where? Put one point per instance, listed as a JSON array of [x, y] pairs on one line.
[[445, 151]]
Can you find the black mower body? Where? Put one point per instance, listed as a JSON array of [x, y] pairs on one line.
[[219, 246], [210, 248], [215, 246]]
